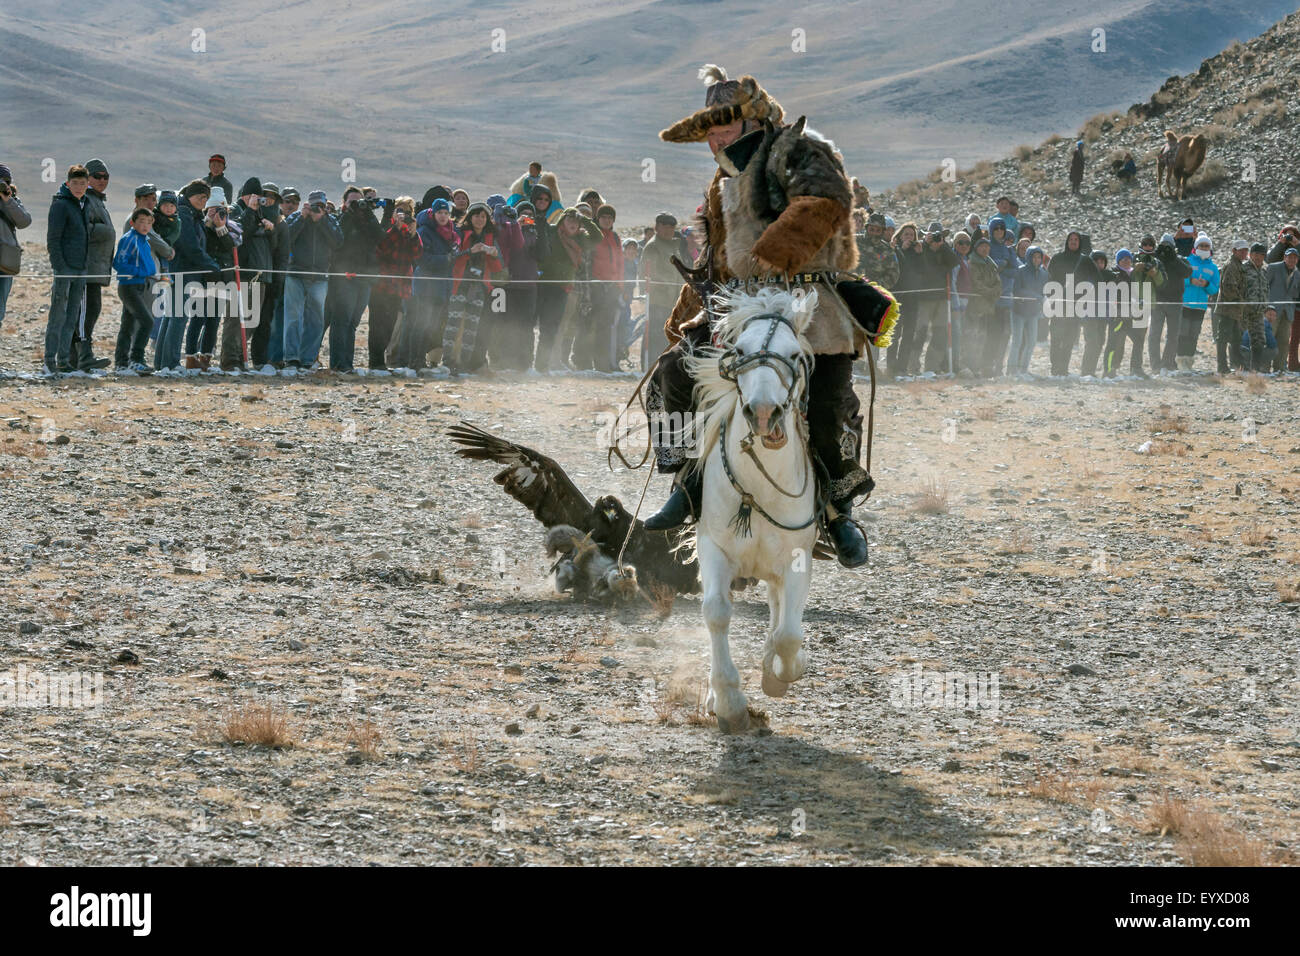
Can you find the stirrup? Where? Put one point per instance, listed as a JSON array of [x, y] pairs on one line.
[[681, 506]]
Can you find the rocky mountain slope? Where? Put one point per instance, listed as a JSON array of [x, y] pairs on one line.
[[1243, 99]]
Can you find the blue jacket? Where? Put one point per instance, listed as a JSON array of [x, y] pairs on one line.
[[68, 232], [1007, 260], [134, 262], [1028, 287], [192, 248], [1195, 297], [311, 244], [436, 258]]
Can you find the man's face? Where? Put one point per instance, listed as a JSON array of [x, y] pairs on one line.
[[534, 170], [1240, 254], [216, 167], [606, 222], [290, 206], [1291, 262], [720, 137], [350, 196], [1257, 258], [875, 232], [1004, 206], [142, 224], [664, 230], [1072, 243], [198, 201], [569, 226], [77, 186], [99, 181], [1149, 250], [147, 202]]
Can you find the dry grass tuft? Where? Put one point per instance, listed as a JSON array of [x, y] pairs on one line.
[[1018, 543], [1067, 788], [1204, 839], [933, 498], [1256, 384], [462, 753], [1288, 591], [1086, 467], [986, 413], [1173, 448], [259, 725], [661, 598], [366, 738], [1256, 536], [1166, 422]]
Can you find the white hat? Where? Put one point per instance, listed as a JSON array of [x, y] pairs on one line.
[[1240, 244], [889, 222], [1203, 240], [216, 198]]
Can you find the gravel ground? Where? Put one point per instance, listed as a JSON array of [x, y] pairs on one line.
[[218, 544]]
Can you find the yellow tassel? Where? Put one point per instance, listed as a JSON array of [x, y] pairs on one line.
[[886, 333]]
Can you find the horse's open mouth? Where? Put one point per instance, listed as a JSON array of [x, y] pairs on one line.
[[775, 438]]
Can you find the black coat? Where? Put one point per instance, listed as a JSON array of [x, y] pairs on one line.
[[67, 233], [255, 249], [361, 236]]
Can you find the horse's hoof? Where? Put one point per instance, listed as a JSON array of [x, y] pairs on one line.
[[734, 725], [773, 686]]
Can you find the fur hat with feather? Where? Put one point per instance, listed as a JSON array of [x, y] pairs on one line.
[[725, 101]]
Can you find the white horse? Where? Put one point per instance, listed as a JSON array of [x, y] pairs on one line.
[[758, 515]]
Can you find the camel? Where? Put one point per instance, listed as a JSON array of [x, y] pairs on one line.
[[1178, 160]]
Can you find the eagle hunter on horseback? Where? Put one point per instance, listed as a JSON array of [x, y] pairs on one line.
[[777, 216]]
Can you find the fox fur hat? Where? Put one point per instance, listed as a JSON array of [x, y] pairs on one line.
[[725, 101]]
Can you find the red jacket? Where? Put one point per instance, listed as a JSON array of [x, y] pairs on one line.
[[607, 257]]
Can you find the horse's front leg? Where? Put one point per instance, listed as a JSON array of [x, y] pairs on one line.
[[784, 658], [726, 700]]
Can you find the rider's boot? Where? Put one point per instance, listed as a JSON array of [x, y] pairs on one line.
[[850, 543], [682, 504]]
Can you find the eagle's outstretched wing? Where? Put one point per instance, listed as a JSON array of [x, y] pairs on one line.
[[532, 479]]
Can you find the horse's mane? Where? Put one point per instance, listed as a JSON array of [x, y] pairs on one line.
[[715, 396]]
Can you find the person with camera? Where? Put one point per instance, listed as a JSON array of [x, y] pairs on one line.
[[13, 216], [221, 234], [1074, 260], [101, 241], [313, 236], [351, 268], [512, 345], [1199, 293], [426, 314], [464, 341], [66, 241], [255, 264], [397, 253], [191, 269], [286, 203]]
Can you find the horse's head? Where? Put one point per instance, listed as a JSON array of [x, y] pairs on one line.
[[767, 357]]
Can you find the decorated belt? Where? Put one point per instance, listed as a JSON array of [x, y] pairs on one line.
[[796, 278]]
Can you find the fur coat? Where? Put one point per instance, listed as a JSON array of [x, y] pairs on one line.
[[788, 210]]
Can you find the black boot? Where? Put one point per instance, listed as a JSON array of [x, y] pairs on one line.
[[682, 504], [849, 541]]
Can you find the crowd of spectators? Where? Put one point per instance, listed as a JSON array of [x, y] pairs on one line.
[[254, 279]]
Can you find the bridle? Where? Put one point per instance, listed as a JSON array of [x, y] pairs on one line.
[[730, 366]]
